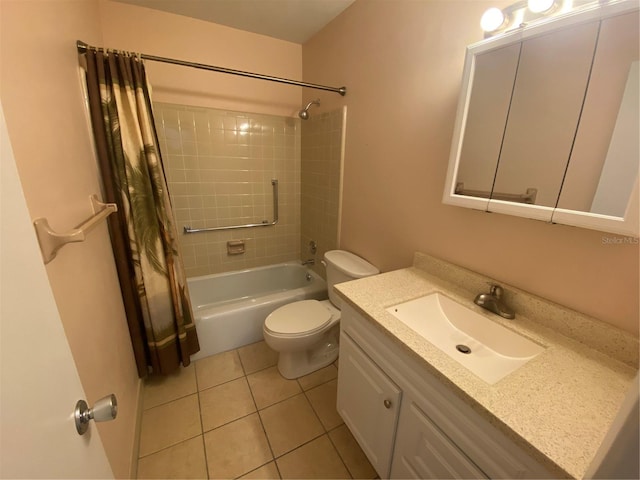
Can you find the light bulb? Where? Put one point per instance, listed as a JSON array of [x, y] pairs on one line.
[[492, 19], [540, 6]]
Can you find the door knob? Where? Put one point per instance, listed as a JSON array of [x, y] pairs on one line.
[[387, 403], [104, 409]]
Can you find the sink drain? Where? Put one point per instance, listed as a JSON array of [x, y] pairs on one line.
[[463, 349]]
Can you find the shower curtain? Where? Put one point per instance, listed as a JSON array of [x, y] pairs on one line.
[[143, 233]]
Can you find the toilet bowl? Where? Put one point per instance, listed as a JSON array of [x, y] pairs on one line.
[[305, 333]]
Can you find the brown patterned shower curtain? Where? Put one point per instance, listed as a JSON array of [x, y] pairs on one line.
[[143, 233]]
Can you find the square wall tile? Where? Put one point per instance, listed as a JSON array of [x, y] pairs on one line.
[[230, 149]]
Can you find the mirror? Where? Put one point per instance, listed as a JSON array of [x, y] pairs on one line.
[[547, 124]]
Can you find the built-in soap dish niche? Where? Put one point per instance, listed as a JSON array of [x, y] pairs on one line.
[[235, 247]]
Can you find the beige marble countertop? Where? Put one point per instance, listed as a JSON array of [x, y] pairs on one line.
[[560, 404]]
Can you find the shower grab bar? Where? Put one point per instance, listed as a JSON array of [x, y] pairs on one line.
[[264, 223], [528, 197], [51, 241], [82, 47]]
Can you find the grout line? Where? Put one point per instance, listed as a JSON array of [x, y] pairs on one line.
[[204, 446], [169, 446], [257, 468], [335, 447], [257, 412], [170, 401]]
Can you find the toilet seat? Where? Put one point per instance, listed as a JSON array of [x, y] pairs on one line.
[[298, 318]]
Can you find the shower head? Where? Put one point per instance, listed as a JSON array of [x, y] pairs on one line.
[[304, 113]]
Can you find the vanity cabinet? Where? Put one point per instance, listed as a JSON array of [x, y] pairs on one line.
[[424, 451], [369, 403], [409, 423]]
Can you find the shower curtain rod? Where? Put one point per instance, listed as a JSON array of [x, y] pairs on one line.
[[83, 47]]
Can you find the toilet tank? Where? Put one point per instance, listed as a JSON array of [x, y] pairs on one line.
[[343, 266]]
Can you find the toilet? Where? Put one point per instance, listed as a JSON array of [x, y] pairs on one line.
[[305, 333]]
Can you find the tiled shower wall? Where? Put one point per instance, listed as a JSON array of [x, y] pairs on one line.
[[322, 153], [219, 165]]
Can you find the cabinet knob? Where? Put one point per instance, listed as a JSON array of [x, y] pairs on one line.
[[387, 403]]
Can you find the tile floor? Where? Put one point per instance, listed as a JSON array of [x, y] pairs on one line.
[[232, 415]]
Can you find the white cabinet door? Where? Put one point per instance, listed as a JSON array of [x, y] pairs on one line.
[[422, 451], [369, 403]]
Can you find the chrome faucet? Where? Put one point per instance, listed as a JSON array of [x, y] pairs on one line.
[[492, 301], [310, 261]]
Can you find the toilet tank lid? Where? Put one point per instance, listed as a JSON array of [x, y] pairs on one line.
[[350, 264]]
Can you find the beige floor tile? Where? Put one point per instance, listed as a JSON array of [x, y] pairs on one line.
[[323, 401], [351, 453], [225, 403], [268, 471], [236, 448], [269, 387], [217, 369], [316, 459], [169, 424], [257, 356], [318, 377], [290, 423], [165, 388], [184, 460]]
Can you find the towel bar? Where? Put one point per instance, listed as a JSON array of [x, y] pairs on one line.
[[51, 241], [265, 223]]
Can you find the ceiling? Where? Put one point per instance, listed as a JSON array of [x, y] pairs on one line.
[[291, 20]]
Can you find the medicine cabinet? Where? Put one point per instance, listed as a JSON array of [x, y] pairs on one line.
[[547, 123]]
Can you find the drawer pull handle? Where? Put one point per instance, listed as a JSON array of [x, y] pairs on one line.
[[387, 404]]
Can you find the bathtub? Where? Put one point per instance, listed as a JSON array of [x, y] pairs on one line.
[[230, 308]]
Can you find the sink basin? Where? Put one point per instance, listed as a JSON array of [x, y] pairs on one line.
[[481, 345]]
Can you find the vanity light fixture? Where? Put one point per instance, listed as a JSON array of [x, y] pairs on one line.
[[493, 20], [541, 6], [520, 13]]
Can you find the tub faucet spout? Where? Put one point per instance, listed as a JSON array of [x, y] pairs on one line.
[[492, 301], [310, 261]]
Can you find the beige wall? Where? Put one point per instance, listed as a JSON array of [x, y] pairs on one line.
[[219, 166], [45, 115], [402, 64], [163, 34]]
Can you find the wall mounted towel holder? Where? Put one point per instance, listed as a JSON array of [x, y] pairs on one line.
[[51, 241]]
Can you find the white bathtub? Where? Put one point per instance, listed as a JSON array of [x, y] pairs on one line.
[[230, 308]]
